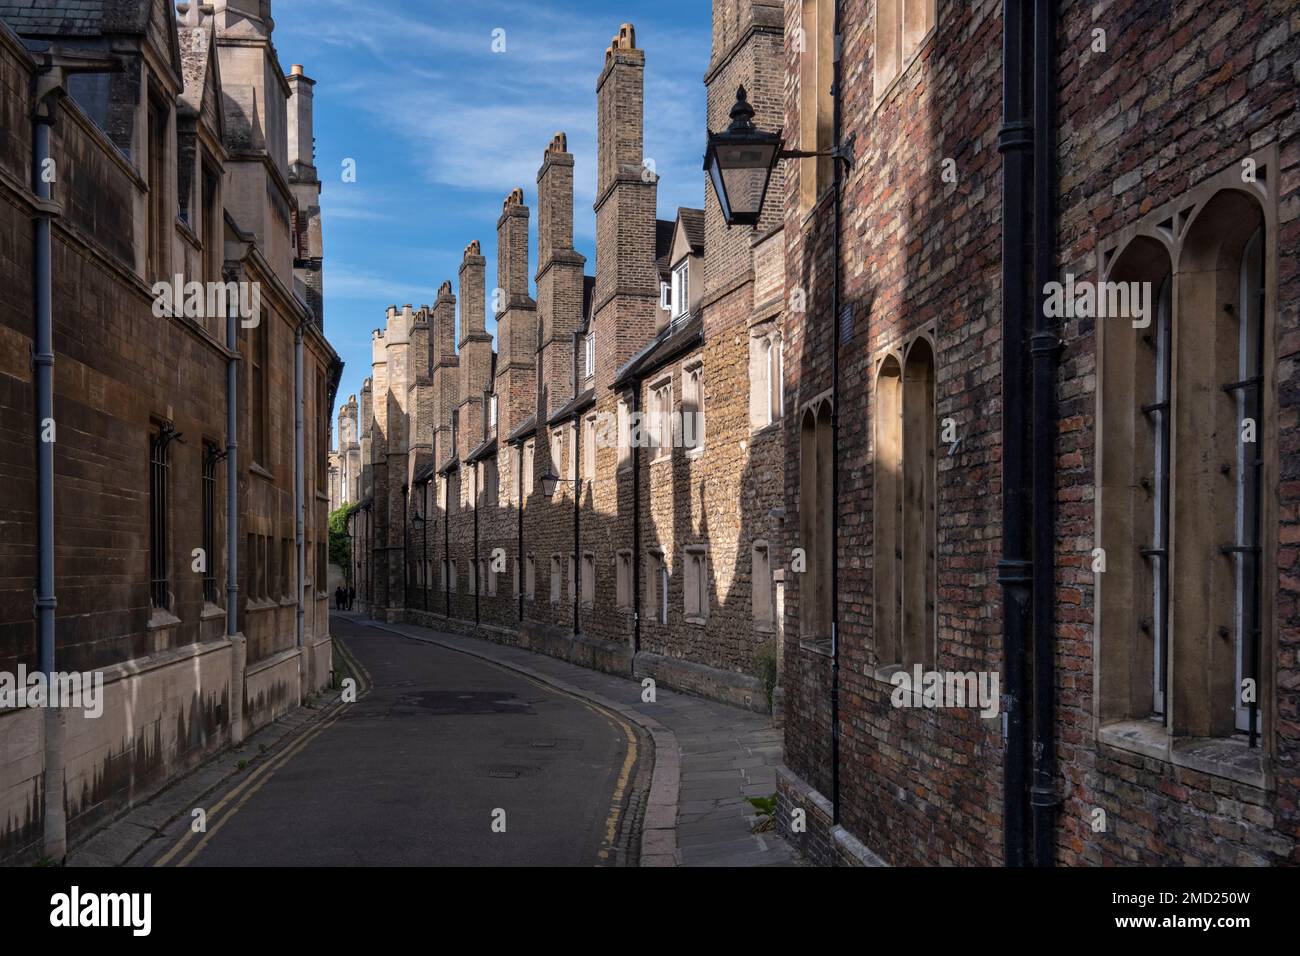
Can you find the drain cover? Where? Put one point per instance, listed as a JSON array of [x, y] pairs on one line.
[[467, 702]]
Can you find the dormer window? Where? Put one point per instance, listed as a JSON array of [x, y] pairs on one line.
[[666, 296], [681, 290]]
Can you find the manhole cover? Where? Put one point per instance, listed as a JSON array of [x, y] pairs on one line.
[[467, 702], [510, 771]]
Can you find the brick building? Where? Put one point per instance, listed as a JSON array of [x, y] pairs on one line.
[[1141, 579], [620, 449], [179, 149]]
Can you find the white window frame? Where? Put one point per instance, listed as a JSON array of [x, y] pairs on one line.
[[682, 289], [665, 296], [589, 347]]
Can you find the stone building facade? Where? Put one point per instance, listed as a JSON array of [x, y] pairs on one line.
[[345, 459], [1165, 541], [606, 485], [190, 157]]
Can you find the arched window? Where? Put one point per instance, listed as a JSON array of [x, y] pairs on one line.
[[1134, 460], [1183, 426], [815, 518], [887, 524], [918, 526], [904, 535]]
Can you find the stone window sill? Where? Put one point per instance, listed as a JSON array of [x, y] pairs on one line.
[[756, 431], [256, 469], [1227, 757], [696, 620], [160, 618], [816, 645], [210, 611]]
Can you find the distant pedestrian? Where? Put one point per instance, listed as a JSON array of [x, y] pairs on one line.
[[352, 596], [339, 598]]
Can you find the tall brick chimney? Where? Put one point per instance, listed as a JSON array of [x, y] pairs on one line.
[[475, 348], [302, 149], [627, 284], [445, 371], [516, 381], [620, 101], [559, 274]]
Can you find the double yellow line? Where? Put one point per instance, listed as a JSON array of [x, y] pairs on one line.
[[629, 758], [258, 778]]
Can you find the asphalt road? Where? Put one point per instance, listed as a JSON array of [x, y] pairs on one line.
[[417, 771]]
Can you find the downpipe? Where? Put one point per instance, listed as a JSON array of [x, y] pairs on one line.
[[838, 185], [239, 649], [55, 830], [1015, 144], [1044, 348], [299, 492]]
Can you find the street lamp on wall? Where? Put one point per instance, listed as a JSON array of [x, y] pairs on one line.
[[740, 160], [551, 481]]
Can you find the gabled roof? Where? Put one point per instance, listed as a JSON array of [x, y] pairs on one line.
[[86, 19], [202, 73], [579, 403], [692, 223], [485, 449], [526, 428], [664, 229], [674, 339], [588, 299]]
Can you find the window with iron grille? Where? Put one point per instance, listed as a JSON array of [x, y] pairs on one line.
[[159, 515], [211, 455]]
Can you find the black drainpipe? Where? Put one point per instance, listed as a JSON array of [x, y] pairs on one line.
[[519, 562], [424, 543], [446, 546], [1044, 346], [1015, 143], [577, 513], [406, 565], [838, 183], [577, 488], [480, 579], [636, 534]]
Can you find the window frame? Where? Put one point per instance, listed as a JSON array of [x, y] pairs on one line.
[[682, 289]]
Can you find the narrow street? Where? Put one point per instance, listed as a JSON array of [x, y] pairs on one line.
[[414, 771]]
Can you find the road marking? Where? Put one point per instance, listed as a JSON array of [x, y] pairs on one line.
[[630, 756], [269, 768], [283, 759]]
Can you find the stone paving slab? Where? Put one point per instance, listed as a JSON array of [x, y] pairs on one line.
[[708, 757]]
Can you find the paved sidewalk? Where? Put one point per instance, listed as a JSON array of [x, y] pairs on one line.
[[708, 758]]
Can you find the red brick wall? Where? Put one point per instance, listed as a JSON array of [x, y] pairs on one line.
[[1183, 92]]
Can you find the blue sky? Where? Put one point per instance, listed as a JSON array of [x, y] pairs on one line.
[[442, 128]]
